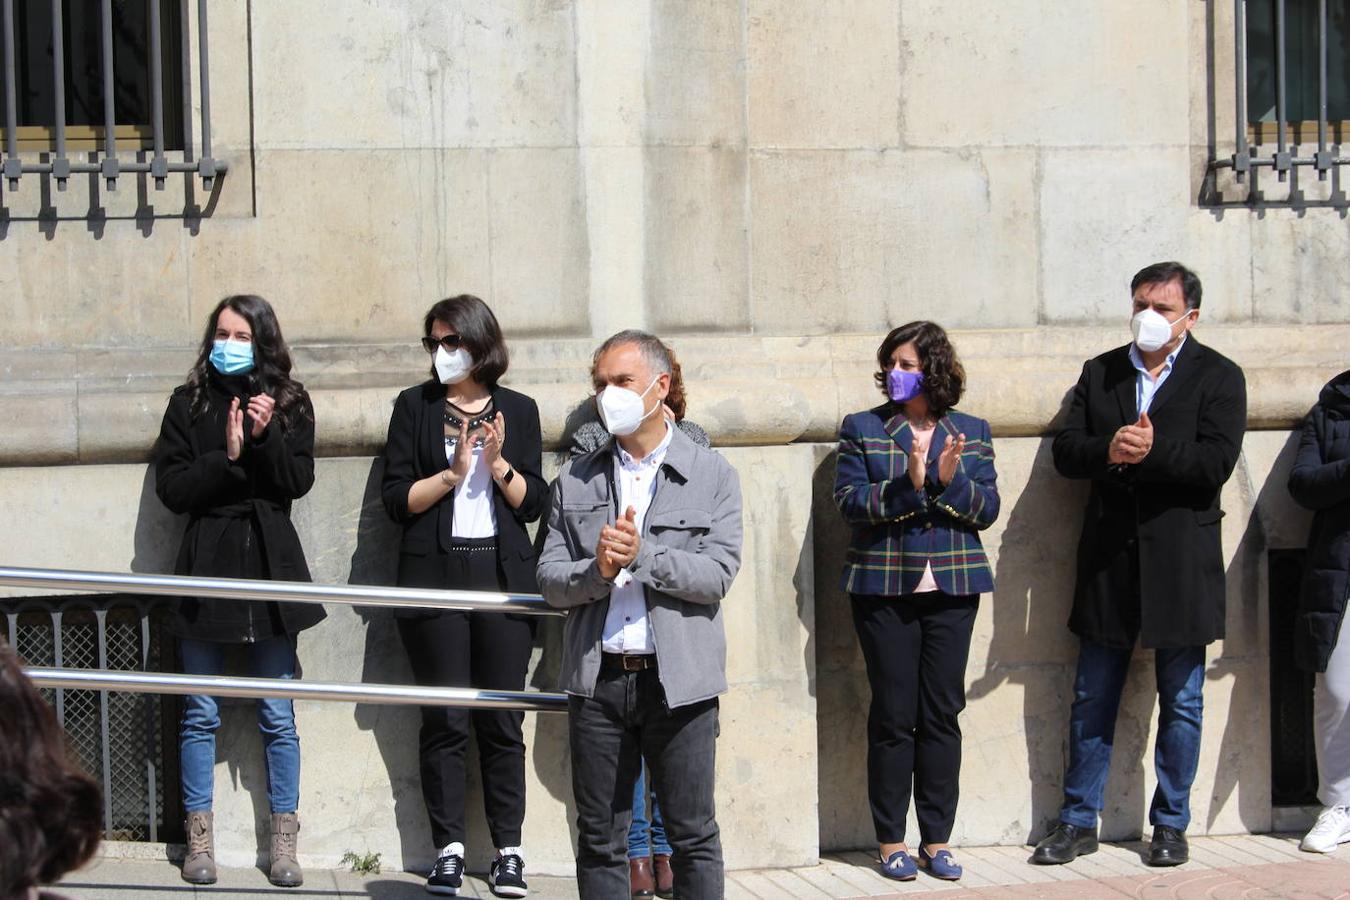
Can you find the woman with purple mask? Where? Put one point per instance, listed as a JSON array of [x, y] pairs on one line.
[[916, 482]]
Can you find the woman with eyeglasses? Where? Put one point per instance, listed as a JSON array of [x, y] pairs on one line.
[[462, 475], [235, 450]]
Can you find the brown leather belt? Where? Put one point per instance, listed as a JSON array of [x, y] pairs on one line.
[[628, 662]]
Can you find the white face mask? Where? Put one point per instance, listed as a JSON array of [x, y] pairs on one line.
[[621, 409], [452, 368], [1151, 329]]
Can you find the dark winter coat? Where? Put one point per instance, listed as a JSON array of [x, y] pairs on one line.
[[239, 525], [415, 449], [1150, 559], [1320, 480]]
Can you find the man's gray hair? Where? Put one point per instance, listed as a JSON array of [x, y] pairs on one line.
[[654, 352]]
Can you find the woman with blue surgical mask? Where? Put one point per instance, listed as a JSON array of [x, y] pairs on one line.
[[916, 482], [463, 477], [235, 450]]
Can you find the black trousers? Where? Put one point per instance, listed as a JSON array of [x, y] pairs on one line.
[[481, 650], [915, 647], [610, 734]]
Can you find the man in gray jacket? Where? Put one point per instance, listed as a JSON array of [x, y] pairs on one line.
[[643, 541]]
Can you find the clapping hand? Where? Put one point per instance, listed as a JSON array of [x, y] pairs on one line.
[[494, 436], [463, 456], [234, 431], [1131, 443], [260, 408], [952, 449], [918, 461], [618, 545]]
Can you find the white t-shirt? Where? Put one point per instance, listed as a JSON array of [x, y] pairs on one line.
[[475, 515]]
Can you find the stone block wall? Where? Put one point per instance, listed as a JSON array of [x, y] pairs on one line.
[[771, 184]]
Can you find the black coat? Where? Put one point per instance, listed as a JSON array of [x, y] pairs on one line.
[[1320, 480], [1150, 559], [415, 449], [239, 525]]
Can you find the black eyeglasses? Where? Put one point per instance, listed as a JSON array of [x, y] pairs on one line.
[[451, 342]]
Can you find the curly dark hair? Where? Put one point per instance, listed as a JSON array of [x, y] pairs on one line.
[[478, 332], [271, 359], [51, 813], [944, 378]]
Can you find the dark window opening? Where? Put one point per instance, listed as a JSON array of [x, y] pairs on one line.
[[1302, 62], [35, 78], [1293, 760]]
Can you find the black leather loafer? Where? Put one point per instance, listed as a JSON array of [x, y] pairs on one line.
[[1065, 844], [1168, 847]]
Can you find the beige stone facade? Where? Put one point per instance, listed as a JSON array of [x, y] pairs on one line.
[[771, 184]]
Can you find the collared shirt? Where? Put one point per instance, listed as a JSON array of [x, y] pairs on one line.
[[627, 629], [1145, 386]]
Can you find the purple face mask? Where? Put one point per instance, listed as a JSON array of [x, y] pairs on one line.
[[902, 386]]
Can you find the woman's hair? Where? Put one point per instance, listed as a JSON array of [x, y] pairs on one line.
[[271, 358], [944, 379], [50, 811], [478, 333], [659, 358]]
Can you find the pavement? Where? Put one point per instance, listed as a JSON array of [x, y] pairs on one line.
[[1252, 867]]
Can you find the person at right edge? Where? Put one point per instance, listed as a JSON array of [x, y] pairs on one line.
[[1320, 480], [1156, 426]]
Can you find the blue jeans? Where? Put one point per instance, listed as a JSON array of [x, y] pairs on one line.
[[1092, 725], [272, 658], [639, 845]]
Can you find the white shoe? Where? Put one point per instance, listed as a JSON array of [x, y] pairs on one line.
[[1332, 828]]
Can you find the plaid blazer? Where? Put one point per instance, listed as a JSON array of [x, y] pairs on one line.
[[898, 530]]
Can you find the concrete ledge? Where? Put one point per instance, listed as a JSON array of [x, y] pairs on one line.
[[746, 390]]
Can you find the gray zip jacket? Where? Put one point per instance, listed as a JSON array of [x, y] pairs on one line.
[[689, 554]]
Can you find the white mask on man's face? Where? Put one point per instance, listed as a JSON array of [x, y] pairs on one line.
[[621, 409], [1151, 329]]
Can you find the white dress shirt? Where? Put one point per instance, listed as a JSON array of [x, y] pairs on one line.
[[627, 629], [1146, 387]]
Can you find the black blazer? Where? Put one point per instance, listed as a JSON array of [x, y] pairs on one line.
[[1320, 481], [1162, 515], [415, 449]]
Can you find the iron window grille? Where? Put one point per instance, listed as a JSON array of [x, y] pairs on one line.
[[127, 741], [80, 76], [1292, 73]]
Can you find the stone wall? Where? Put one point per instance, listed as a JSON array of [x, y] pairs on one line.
[[770, 183]]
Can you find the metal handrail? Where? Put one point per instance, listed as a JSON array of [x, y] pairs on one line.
[[287, 591], [229, 686]]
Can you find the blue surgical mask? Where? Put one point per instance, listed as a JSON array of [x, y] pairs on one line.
[[232, 357], [902, 386]]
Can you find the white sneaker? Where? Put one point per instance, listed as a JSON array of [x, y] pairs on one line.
[[1332, 828]]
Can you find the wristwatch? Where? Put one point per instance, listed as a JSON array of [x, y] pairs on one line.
[[510, 473]]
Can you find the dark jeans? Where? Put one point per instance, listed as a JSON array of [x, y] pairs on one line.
[[915, 647], [1092, 728], [610, 734], [481, 650]]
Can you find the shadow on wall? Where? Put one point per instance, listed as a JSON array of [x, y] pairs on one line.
[[1246, 651], [383, 661]]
